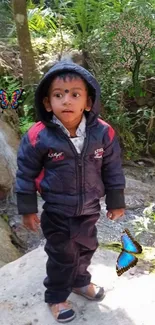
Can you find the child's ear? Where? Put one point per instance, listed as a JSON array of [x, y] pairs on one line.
[[89, 104], [47, 104]]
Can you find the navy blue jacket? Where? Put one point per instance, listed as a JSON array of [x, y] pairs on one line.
[[70, 183]]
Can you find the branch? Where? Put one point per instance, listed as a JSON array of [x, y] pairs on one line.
[[136, 51]]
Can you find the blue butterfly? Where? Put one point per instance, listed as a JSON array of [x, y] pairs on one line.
[[126, 259]]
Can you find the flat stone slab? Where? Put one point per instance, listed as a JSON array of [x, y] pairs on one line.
[[130, 299]]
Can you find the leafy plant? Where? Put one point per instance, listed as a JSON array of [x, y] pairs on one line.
[[24, 124], [42, 21], [81, 17], [145, 223], [9, 83], [6, 21], [132, 39]]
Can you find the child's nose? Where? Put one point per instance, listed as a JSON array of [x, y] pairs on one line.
[[66, 99]]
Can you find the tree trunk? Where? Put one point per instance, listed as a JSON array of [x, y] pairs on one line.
[[135, 78], [136, 70], [30, 73]]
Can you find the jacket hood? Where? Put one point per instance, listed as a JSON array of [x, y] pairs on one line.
[[45, 82]]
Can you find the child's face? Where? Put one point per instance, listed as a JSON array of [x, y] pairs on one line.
[[67, 100]]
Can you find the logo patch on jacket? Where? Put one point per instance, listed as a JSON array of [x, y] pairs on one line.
[[56, 156], [98, 153]]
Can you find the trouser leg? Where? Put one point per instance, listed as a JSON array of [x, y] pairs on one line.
[[88, 244], [71, 243], [62, 260], [83, 276]]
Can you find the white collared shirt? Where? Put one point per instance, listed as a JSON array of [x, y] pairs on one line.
[[78, 141]]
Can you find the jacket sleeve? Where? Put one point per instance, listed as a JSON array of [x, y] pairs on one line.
[[30, 164], [112, 172]]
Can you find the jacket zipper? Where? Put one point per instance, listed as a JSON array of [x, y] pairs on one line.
[[80, 175], [79, 178], [79, 169]]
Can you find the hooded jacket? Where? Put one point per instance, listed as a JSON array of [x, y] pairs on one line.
[[71, 184]]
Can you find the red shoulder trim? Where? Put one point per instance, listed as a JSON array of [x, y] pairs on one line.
[[111, 131], [34, 131]]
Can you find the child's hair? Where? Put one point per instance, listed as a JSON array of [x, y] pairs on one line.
[[70, 75]]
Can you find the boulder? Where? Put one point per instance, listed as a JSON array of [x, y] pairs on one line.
[[138, 193], [8, 252], [9, 142]]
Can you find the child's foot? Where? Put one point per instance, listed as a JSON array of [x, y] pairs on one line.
[[62, 312], [91, 292]]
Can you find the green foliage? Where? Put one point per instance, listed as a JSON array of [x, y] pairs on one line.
[[120, 67], [28, 106], [9, 83], [24, 124], [145, 223], [42, 22], [81, 17], [6, 20], [117, 41]]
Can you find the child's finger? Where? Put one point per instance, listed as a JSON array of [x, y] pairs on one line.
[[31, 226], [113, 216], [116, 216], [109, 215], [35, 226], [37, 219]]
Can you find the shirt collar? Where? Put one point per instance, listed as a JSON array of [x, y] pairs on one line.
[[81, 130]]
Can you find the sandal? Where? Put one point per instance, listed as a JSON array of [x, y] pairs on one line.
[[62, 312], [91, 292]]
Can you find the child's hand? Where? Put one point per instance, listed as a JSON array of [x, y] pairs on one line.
[[115, 214], [31, 221]]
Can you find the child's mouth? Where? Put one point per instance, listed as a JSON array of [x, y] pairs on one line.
[[67, 111]]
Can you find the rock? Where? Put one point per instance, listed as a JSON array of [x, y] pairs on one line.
[[149, 84], [138, 194], [129, 298], [8, 252], [4, 68], [9, 118], [9, 142], [151, 102], [152, 149], [74, 55]]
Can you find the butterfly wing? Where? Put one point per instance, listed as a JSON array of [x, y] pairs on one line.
[[4, 99], [129, 243], [15, 97], [124, 262]]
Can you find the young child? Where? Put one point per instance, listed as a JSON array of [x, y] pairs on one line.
[[73, 159]]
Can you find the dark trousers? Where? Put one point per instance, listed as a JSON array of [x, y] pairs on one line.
[[70, 245]]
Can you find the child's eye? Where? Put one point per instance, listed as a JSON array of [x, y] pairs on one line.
[[58, 95], [76, 95]]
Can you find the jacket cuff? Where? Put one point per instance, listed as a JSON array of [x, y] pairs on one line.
[[27, 203], [115, 199]]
